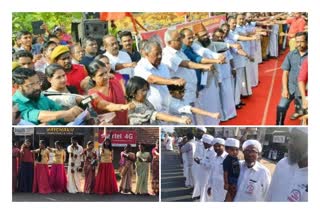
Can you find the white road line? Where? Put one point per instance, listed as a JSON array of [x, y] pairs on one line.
[[265, 113]]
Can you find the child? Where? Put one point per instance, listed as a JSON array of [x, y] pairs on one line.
[[144, 113], [231, 168], [179, 108]]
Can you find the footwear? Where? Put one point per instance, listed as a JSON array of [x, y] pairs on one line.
[[295, 116], [242, 103]]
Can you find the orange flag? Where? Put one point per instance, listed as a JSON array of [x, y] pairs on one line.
[[107, 16]]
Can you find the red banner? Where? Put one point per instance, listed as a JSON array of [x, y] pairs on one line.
[[210, 23], [119, 137]]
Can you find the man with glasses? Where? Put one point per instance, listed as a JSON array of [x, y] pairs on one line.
[[254, 179], [74, 73], [34, 106]]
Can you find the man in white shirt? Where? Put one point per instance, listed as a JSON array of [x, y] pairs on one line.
[[254, 179], [180, 66], [157, 75], [205, 165], [120, 61], [187, 156], [198, 153], [216, 189], [290, 178], [74, 167]]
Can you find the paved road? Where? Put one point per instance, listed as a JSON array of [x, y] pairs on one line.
[[81, 197], [172, 180]]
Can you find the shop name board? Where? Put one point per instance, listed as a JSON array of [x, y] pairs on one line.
[[59, 130], [279, 139], [119, 137]]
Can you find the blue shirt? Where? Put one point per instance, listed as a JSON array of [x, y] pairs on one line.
[[30, 109], [232, 166], [292, 63], [194, 57]]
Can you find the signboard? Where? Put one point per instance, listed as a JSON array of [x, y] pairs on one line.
[[119, 138], [63, 131], [23, 131], [210, 23], [279, 139]]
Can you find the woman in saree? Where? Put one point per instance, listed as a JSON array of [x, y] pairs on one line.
[[90, 162], [58, 176], [111, 97], [127, 159], [106, 182], [142, 170], [155, 169]]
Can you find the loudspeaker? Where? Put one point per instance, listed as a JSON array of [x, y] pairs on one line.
[[94, 28]]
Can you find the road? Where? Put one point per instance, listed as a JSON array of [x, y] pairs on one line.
[[81, 197]]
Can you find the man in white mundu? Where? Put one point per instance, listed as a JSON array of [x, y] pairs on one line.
[[254, 179], [74, 167], [205, 165], [215, 189], [197, 172], [187, 156]]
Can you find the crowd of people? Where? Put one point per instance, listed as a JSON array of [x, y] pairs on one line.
[[199, 77], [88, 170], [225, 170]]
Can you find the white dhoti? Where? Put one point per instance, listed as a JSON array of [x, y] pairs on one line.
[[74, 181], [227, 99], [238, 84], [209, 100], [246, 81]]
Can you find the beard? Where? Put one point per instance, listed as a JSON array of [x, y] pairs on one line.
[[34, 95], [296, 155], [205, 42]]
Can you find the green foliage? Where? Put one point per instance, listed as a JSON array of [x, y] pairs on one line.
[[22, 20]]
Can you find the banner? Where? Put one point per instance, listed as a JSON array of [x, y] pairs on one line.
[[119, 137], [210, 23]]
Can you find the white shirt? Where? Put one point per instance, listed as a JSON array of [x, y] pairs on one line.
[[289, 183], [187, 150], [78, 152], [169, 144], [172, 58], [121, 58], [179, 107], [253, 183], [238, 60], [158, 95], [216, 181]]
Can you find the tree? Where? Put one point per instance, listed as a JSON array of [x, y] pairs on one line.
[[22, 21]]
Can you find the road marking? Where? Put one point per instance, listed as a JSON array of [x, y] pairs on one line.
[[265, 113], [271, 70]]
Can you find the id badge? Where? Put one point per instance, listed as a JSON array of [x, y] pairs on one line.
[[299, 192], [250, 187]]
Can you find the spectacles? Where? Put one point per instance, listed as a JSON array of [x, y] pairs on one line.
[[31, 85]]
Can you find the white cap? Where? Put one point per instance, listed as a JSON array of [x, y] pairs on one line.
[[254, 143], [219, 141], [302, 129], [202, 128], [232, 142], [206, 138]]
